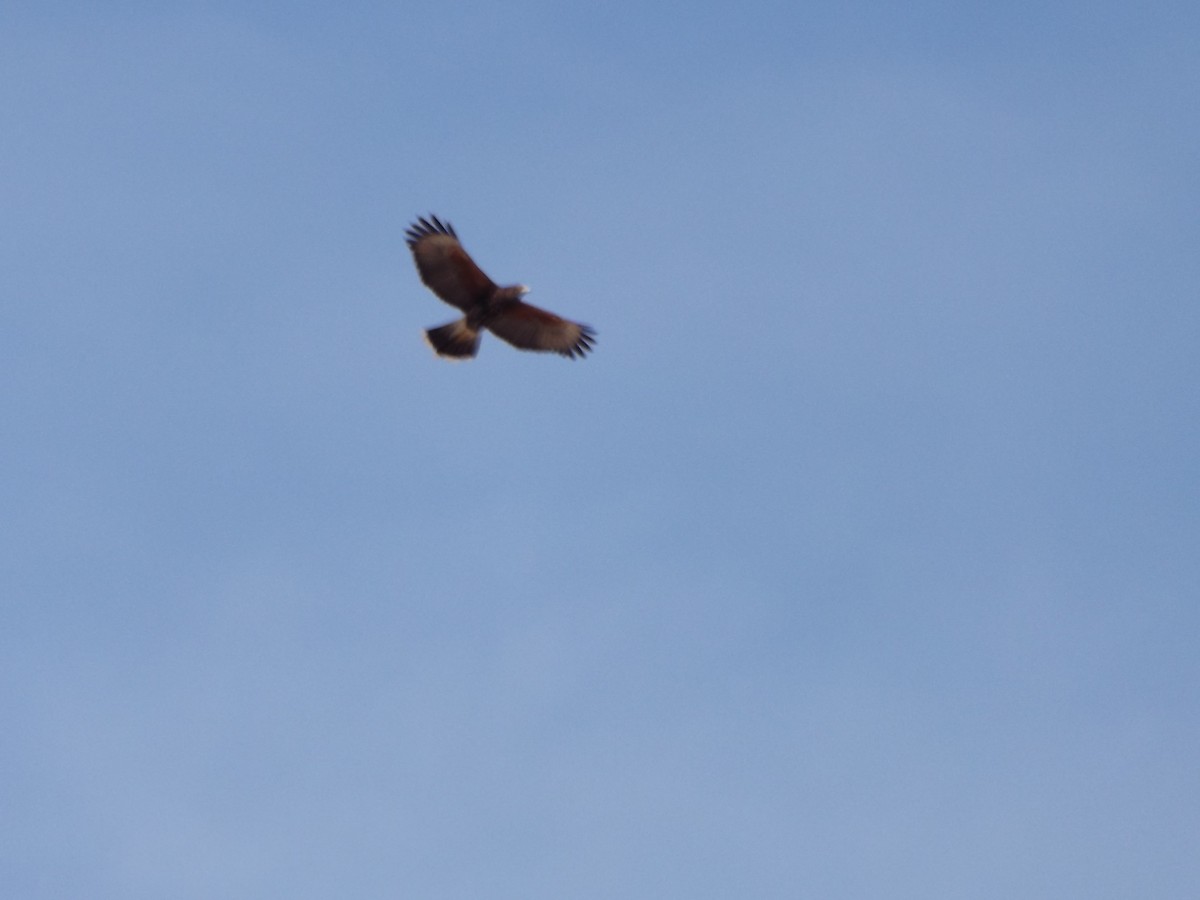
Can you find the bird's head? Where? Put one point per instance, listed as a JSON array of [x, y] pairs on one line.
[[510, 294]]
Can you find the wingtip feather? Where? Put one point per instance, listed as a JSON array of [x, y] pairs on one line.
[[424, 227]]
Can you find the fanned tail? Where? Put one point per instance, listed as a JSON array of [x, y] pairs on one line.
[[457, 340]]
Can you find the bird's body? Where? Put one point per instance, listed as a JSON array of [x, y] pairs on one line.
[[448, 271]]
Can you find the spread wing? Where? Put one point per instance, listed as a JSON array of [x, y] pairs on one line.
[[444, 265], [531, 328]]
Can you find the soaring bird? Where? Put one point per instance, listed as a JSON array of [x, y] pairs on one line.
[[450, 273]]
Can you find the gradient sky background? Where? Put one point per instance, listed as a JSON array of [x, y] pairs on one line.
[[862, 559]]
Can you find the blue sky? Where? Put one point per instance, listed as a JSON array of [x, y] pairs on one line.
[[862, 559]]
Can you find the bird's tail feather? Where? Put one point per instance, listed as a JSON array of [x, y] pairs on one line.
[[458, 340]]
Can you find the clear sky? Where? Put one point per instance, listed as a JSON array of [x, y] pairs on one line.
[[861, 560]]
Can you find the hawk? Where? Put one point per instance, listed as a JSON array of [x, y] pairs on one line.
[[450, 273]]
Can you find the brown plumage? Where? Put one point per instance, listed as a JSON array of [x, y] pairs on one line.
[[450, 273]]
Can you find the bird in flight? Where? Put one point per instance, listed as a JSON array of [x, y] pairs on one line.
[[450, 273]]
